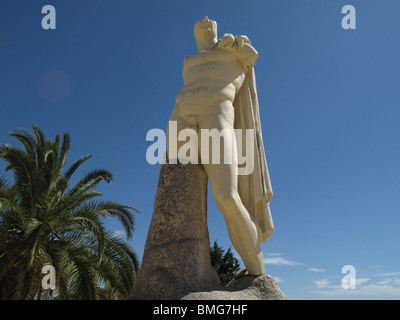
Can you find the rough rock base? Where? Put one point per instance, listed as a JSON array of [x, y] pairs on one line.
[[245, 288]]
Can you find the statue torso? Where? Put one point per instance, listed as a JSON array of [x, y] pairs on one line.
[[209, 76]]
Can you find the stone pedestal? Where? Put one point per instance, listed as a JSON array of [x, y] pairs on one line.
[[176, 259]]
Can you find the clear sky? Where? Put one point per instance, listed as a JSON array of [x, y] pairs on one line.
[[329, 104]]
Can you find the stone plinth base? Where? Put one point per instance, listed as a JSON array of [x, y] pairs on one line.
[[176, 258]]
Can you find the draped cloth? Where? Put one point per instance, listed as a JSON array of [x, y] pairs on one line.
[[255, 189]]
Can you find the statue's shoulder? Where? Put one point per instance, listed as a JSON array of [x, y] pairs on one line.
[[193, 59], [241, 46], [229, 41]]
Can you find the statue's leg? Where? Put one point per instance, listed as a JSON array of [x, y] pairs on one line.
[[223, 182]]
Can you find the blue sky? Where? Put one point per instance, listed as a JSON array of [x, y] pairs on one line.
[[329, 104]]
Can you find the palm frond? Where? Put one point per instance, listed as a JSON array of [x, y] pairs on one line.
[[75, 166]]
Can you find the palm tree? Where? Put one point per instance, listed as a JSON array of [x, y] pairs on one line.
[[43, 222]]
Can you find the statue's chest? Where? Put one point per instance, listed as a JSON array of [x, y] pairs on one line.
[[209, 56]]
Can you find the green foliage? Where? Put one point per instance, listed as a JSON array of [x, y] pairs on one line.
[[43, 221], [225, 264]]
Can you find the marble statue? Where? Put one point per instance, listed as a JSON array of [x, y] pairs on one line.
[[219, 92]]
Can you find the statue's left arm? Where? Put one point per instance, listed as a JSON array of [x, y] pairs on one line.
[[241, 47]]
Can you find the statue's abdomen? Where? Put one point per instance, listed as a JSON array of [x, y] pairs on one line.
[[195, 98], [208, 78]]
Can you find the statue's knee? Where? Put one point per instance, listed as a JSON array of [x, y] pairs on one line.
[[227, 201]]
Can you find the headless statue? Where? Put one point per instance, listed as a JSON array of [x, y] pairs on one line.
[[219, 93]]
